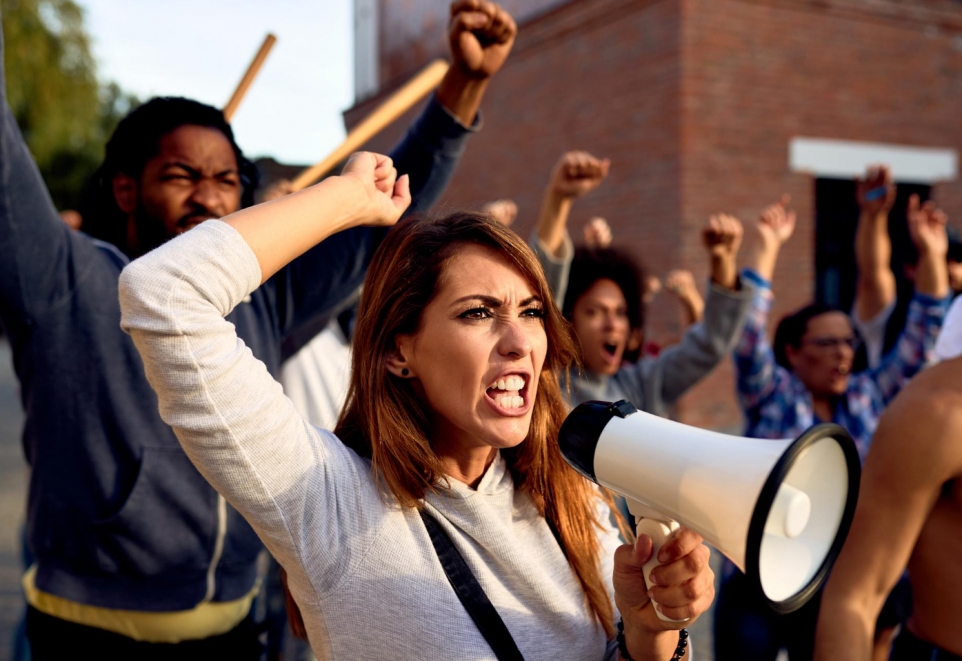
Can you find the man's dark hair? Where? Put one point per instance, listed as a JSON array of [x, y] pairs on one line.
[[591, 265], [792, 328], [134, 142]]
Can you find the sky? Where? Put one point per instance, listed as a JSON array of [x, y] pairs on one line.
[[201, 48]]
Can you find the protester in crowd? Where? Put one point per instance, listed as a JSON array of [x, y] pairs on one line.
[[453, 414], [134, 549], [503, 211], [805, 379], [909, 515], [603, 299], [881, 309]]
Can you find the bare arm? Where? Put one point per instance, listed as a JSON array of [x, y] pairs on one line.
[[773, 229], [927, 229], [681, 283], [875, 289], [575, 174], [913, 454]]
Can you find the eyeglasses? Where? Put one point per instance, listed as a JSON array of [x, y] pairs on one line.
[[827, 343]]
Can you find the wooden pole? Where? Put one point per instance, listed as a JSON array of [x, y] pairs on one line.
[[249, 75], [393, 107]]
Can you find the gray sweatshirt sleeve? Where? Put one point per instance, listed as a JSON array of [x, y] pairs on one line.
[[660, 381], [556, 269], [285, 477]]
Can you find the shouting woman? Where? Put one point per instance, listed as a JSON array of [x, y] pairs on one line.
[[450, 427]]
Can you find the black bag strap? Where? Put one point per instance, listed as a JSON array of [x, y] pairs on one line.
[[471, 594]]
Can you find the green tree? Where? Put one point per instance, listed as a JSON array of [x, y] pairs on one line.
[[65, 113]]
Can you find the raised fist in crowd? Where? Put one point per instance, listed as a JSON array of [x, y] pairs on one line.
[[723, 237], [681, 283], [481, 34], [503, 211], [927, 228], [385, 195], [773, 228], [577, 173], [597, 234], [775, 224], [876, 192]]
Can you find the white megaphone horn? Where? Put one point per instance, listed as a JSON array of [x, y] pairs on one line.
[[779, 509]]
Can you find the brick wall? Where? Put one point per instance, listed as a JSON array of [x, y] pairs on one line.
[[695, 102]]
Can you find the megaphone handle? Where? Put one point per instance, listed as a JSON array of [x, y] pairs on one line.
[[659, 532]]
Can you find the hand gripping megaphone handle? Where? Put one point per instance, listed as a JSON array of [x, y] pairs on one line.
[[660, 533]]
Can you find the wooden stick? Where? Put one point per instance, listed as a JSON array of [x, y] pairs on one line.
[[249, 75], [393, 107]]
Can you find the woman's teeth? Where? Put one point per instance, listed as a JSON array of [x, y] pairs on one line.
[[512, 382], [511, 387]]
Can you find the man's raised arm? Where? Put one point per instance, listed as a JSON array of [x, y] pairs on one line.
[[481, 35], [875, 287], [36, 260]]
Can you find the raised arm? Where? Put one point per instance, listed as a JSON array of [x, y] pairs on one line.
[[41, 260], [230, 416], [916, 345], [575, 174], [480, 35], [758, 376], [681, 283], [913, 454], [668, 376], [875, 289]]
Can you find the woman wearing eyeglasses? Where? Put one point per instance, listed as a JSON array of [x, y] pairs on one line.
[[807, 378]]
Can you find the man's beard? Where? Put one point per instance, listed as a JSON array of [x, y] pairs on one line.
[[151, 231]]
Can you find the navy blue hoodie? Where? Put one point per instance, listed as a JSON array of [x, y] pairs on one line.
[[117, 515]]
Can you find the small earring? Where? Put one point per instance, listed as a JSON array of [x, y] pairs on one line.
[[405, 372]]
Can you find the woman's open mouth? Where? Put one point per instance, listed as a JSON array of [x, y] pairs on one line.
[[508, 395]]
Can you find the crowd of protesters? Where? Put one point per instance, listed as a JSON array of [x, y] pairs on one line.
[[426, 364]]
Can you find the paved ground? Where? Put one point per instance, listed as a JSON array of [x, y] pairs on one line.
[[12, 492]]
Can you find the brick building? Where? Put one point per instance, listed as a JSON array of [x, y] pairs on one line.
[[704, 106]]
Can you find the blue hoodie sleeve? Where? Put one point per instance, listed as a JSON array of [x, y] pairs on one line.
[[320, 281], [41, 259]]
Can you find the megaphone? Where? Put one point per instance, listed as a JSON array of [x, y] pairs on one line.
[[779, 509]]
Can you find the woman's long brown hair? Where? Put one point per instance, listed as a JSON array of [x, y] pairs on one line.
[[386, 421]]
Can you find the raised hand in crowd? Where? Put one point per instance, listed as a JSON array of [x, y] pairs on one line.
[[875, 289], [480, 37], [575, 174], [875, 192], [723, 237], [367, 193], [681, 283], [503, 211], [927, 227], [597, 233], [774, 227]]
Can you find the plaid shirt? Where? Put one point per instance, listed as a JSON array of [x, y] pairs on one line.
[[778, 405]]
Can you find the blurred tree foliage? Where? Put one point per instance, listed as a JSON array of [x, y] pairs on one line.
[[65, 113]]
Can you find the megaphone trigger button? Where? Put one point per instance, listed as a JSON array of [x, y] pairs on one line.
[[622, 408]]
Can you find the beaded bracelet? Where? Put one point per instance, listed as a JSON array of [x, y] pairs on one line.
[[623, 646]]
